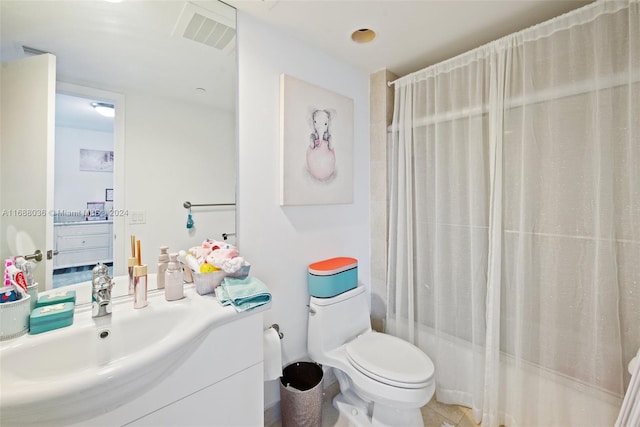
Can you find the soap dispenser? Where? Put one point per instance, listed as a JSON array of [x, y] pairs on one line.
[[163, 263], [174, 287], [131, 263], [139, 280]]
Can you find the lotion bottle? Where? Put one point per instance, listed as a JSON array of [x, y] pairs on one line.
[[140, 284], [163, 263], [174, 287]]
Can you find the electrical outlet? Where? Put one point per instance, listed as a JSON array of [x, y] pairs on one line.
[[138, 217]]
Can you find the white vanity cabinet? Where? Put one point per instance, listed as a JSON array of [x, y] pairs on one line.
[[83, 243], [220, 383]]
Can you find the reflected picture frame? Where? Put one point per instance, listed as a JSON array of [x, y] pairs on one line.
[[96, 160]]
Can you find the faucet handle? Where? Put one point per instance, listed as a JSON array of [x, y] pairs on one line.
[[102, 282], [101, 285], [100, 270]]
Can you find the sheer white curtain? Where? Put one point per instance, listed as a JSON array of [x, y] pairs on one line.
[[630, 411], [514, 250]]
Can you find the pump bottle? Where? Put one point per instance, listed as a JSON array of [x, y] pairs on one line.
[[173, 285], [163, 263]]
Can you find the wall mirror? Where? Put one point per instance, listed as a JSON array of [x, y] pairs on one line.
[[169, 71]]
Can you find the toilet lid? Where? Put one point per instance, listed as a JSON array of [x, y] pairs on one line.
[[390, 360]]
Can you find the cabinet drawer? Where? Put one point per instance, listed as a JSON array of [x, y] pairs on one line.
[[82, 242], [75, 230], [86, 257]]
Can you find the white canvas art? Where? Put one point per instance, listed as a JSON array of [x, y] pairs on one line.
[[96, 160], [316, 145]]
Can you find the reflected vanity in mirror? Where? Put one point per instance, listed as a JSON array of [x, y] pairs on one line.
[[169, 71]]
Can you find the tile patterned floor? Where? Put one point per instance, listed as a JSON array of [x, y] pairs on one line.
[[434, 414]]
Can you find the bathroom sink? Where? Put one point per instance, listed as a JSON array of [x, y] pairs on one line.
[[97, 364]]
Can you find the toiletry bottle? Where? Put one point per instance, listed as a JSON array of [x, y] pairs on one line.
[[163, 263], [131, 263], [140, 286], [186, 270], [173, 289], [140, 283]]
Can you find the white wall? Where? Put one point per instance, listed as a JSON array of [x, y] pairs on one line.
[[281, 242], [73, 188], [176, 152]]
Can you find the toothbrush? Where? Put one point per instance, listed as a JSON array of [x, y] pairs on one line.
[[16, 277]]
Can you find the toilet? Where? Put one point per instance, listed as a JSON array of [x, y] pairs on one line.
[[383, 379]]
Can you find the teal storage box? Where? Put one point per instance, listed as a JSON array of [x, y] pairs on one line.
[[50, 317], [56, 297], [332, 276]]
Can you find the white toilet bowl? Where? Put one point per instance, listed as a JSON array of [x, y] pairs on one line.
[[384, 380]]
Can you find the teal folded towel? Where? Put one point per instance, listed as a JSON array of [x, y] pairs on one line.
[[243, 293]]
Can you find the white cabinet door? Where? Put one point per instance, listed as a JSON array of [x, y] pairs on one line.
[[28, 92], [235, 401]]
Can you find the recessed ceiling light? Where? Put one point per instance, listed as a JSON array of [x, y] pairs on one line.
[[363, 35], [104, 109]]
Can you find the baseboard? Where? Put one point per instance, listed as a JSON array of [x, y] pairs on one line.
[[272, 414]]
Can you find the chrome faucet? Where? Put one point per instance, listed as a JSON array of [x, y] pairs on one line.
[[101, 285]]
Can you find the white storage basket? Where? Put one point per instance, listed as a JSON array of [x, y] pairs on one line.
[[206, 283]]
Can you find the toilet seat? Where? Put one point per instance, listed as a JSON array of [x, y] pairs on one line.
[[390, 360]]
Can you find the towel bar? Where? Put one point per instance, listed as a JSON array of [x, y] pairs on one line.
[[188, 204]]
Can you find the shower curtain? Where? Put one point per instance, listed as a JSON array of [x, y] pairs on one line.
[[514, 219]]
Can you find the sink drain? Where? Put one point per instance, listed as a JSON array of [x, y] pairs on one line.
[[104, 333]]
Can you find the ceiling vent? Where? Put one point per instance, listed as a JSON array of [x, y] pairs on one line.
[[214, 26]]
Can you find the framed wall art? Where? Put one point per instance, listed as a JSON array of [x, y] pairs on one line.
[[96, 160], [316, 144]]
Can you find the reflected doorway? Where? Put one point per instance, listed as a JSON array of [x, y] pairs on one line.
[[83, 187]]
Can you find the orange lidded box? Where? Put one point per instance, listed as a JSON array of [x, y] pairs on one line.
[[332, 276]]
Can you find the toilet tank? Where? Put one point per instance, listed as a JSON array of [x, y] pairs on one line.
[[336, 320]]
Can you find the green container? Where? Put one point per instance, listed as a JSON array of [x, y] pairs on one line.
[[50, 317], [56, 297]]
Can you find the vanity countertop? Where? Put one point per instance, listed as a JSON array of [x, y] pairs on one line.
[[97, 365]]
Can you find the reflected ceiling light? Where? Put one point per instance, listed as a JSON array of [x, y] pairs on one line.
[[107, 110]]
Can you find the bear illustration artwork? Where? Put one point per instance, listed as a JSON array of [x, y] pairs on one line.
[[321, 158]]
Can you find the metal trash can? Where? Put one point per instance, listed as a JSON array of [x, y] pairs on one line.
[[301, 395]]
